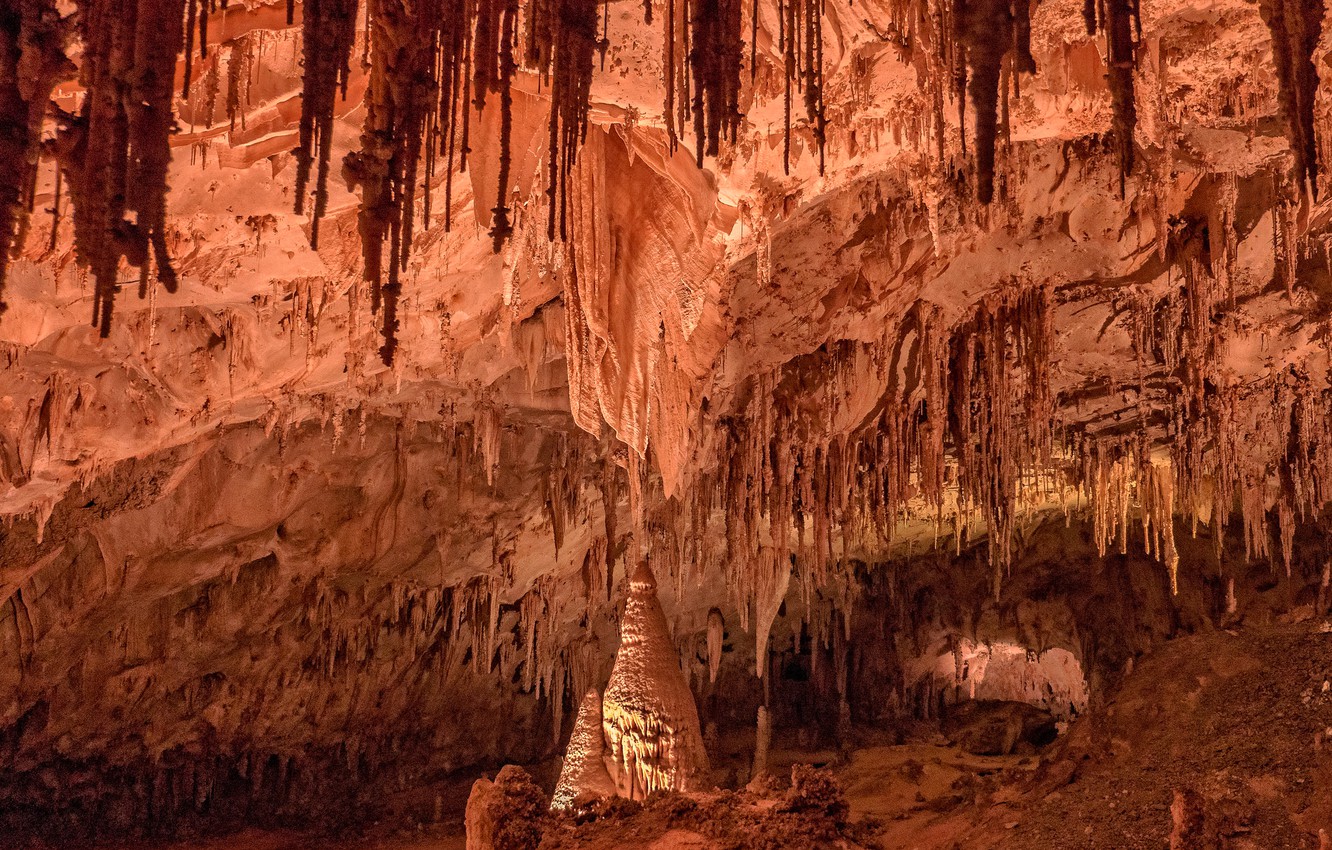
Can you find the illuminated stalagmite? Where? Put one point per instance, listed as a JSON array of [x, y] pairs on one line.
[[653, 738], [584, 771]]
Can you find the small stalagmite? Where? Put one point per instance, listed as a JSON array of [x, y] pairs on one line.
[[762, 743], [716, 640], [584, 772], [653, 737]]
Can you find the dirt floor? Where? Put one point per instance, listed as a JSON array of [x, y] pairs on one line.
[[1231, 729]]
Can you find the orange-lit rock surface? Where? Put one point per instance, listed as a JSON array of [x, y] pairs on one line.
[[888, 448]]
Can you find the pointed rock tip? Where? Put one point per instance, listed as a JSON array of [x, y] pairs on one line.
[[643, 581]]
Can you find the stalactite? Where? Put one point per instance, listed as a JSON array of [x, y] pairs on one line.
[[1285, 241], [212, 85], [115, 153], [399, 98], [703, 52], [196, 13], [674, 68], [771, 578], [419, 56], [240, 64], [494, 67], [984, 31], [716, 52], [1119, 20], [800, 38], [562, 40], [328, 33], [1296, 26], [991, 450], [1156, 494], [33, 37]]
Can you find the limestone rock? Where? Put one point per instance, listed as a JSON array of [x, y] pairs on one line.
[[584, 771], [507, 814], [654, 740]]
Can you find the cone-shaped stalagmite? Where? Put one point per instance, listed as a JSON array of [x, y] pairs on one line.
[[584, 771], [653, 737]]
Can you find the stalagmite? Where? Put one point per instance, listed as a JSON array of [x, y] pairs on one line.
[[716, 635], [762, 742], [506, 814], [584, 771], [654, 741]]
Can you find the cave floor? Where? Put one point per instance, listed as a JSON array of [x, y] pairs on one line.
[[1237, 722]]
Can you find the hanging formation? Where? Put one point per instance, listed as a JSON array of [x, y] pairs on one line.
[[116, 151], [1122, 25], [33, 37], [1296, 26], [434, 63], [328, 32], [985, 32], [562, 43]]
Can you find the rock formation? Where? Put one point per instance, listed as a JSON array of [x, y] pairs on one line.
[[654, 741], [506, 814], [584, 772]]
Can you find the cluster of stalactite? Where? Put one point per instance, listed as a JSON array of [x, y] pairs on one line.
[[800, 39], [1120, 21], [115, 152], [33, 36], [1296, 26], [1118, 474], [801, 495], [400, 98], [1252, 451], [328, 33], [196, 17], [562, 43], [990, 44], [978, 49], [703, 53], [1000, 371], [430, 65], [1260, 459]]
